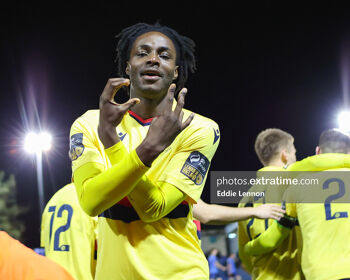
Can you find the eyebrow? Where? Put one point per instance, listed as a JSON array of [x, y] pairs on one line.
[[162, 48]]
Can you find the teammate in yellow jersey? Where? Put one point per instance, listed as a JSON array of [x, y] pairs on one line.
[[275, 150], [214, 214], [142, 165], [325, 226], [68, 234], [75, 236]]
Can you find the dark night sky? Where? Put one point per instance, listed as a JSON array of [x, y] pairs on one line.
[[258, 67]]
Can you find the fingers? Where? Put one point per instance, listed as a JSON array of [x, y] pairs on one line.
[[270, 211], [112, 86], [181, 115], [178, 109], [127, 105], [277, 208], [187, 122], [277, 215], [180, 101], [117, 85], [170, 97]]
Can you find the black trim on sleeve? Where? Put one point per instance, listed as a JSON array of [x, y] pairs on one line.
[[128, 214], [288, 221]]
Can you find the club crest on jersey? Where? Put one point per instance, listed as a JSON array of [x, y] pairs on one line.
[[195, 167], [76, 147]]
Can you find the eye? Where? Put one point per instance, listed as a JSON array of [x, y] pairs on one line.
[[165, 55], [142, 53]]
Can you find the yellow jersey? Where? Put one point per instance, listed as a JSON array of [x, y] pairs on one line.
[[325, 227], [68, 234], [284, 261], [167, 248]]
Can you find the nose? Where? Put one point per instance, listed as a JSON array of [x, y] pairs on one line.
[[153, 59]]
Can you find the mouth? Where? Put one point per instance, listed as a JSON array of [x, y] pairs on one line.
[[151, 75]]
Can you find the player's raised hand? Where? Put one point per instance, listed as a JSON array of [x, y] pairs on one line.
[[269, 211], [111, 113], [165, 127]]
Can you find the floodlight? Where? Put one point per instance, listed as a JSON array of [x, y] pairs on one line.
[[344, 121]]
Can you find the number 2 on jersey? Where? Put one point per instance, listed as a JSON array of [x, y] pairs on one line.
[[327, 203], [65, 227]]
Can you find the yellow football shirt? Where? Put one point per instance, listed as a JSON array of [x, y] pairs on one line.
[[325, 227], [68, 234], [283, 262], [167, 248]]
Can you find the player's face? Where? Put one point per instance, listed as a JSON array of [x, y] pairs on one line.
[[152, 65]]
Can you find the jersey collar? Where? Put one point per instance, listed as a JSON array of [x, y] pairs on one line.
[[141, 121]]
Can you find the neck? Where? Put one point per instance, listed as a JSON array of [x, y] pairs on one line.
[[150, 106], [277, 163]]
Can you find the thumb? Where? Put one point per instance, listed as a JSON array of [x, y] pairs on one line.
[[127, 105]]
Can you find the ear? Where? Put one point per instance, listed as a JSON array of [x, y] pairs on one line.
[[317, 150], [176, 73], [284, 156], [128, 68]]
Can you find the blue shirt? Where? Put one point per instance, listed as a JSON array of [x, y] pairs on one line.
[[212, 266]]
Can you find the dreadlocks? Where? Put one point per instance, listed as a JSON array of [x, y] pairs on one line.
[[184, 46]]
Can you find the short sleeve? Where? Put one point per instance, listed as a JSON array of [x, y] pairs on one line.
[[189, 167]]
